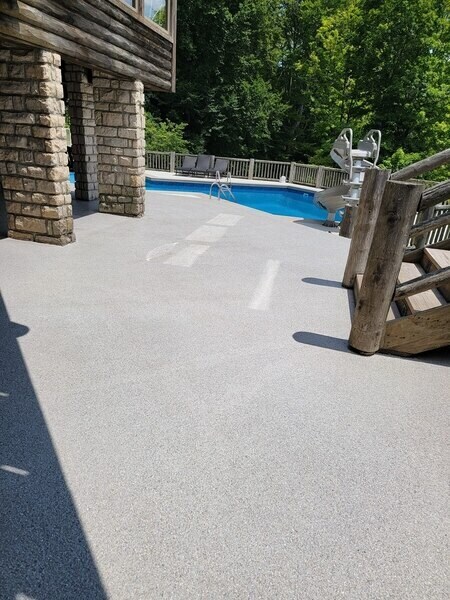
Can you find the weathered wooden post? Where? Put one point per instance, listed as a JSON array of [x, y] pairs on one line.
[[319, 176], [172, 162], [292, 172], [348, 220], [363, 229], [396, 215], [251, 168]]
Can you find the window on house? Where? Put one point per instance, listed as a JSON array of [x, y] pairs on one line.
[[156, 10]]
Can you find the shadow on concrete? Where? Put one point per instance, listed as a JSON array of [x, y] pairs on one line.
[[321, 341], [439, 357], [323, 282], [44, 554], [83, 209], [334, 284], [316, 224]]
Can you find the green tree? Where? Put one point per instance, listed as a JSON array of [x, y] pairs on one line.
[[405, 73], [164, 136], [280, 78], [227, 60]]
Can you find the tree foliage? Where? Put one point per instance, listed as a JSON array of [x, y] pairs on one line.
[[164, 136], [280, 79]]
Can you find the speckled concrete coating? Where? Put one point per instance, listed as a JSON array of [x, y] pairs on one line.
[[161, 439]]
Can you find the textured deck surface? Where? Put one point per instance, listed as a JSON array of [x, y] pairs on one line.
[[180, 418]]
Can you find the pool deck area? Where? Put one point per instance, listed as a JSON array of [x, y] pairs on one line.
[[180, 418], [168, 176]]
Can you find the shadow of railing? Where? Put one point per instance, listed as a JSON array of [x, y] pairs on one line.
[[323, 282], [44, 554], [439, 357]]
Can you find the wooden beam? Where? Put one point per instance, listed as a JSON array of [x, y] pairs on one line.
[[118, 10], [438, 193], [396, 215], [428, 281], [133, 27], [366, 218], [36, 36], [416, 255], [64, 11], [423, 166], [431, 224], [417, 333], [35, 17], [173, 30]]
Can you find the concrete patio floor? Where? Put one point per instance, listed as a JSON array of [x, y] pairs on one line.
[[180, 418]]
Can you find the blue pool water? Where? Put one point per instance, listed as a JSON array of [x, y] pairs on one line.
[[275, 200]]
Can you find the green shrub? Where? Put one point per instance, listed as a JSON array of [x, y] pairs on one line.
[[164, 136], [401, 159]]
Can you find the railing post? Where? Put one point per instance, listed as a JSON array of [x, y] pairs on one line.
[[319, 176], [365, 220], [292, 172], [424, 215], [397, 211], [348, 221], [172, 162], [251, 168]]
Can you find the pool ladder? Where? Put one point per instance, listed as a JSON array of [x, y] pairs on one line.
[[222, 187]]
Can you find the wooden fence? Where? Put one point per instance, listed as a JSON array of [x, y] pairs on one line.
[[262, 170]]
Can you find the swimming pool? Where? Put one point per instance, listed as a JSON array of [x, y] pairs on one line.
[[274, 200]]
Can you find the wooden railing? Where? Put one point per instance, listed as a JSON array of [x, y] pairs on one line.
[[158, 161], [391, 213], [434, 235], [331, 177], [270, 170], [308, 174], [263, 170], [239, 167]]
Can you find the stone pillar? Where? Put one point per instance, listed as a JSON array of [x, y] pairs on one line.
[[33, 149], [80, 104], [120, 130]]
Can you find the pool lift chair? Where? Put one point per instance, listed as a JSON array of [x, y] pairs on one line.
[[354, 163], [222, 187]]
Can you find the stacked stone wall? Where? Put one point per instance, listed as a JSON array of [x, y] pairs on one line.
[[80, 104], [120, 131], [33, 148]]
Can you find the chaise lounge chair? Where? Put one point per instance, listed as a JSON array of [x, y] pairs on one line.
[[188, 165], [220, 166], [203, 164]]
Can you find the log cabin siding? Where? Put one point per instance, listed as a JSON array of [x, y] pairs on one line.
[[96, 34]]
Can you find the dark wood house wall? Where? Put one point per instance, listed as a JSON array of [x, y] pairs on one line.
[[100, 34]]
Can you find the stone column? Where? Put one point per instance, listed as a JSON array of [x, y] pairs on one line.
[[33, 148], [120, 130], [80, 104]]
